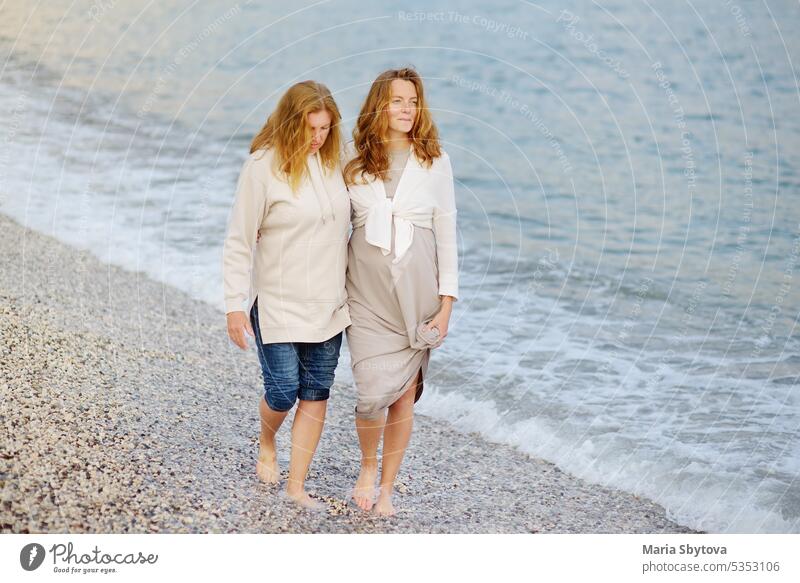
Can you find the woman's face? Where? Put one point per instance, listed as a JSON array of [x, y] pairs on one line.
[[320, 124], [402, 106]]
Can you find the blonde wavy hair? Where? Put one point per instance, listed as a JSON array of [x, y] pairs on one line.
[[288, 132], [372, 129]]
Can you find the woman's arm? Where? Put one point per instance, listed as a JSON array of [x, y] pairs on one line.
[[444, 229], [237, 253]]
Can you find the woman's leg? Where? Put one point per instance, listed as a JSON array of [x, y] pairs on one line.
[[369, 435], [396, 436], [306, 431], [279, 370], [267, 464], [317, 368]]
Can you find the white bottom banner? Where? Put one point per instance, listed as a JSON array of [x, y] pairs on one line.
[[390, 557]]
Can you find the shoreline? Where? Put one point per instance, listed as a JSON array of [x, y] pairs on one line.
[[128, 410]]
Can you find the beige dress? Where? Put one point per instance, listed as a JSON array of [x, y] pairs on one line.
[[389, 304]]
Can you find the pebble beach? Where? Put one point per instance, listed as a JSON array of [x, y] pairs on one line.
[[126, 409]]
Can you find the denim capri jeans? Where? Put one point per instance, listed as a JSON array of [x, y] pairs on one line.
[[293, 370]]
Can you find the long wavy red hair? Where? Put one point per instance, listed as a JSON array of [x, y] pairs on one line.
[[372, 129], [287, 130]]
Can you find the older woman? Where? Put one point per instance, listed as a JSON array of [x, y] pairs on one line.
[[290, 221]]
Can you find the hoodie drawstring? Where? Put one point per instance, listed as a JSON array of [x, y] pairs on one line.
[[321, 186]]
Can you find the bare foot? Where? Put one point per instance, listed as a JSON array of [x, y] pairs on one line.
[[267, 465], [364, 491], [384, 506], [303, 499]]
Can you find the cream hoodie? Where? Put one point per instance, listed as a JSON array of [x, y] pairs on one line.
[[297, 268]]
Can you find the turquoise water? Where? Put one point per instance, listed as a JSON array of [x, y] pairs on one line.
[[627, 183]]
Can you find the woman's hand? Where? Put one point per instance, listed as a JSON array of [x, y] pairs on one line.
[[238, 324], [442, 319]]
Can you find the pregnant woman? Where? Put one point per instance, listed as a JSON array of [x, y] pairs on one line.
[[286, 253], [402, 269]]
